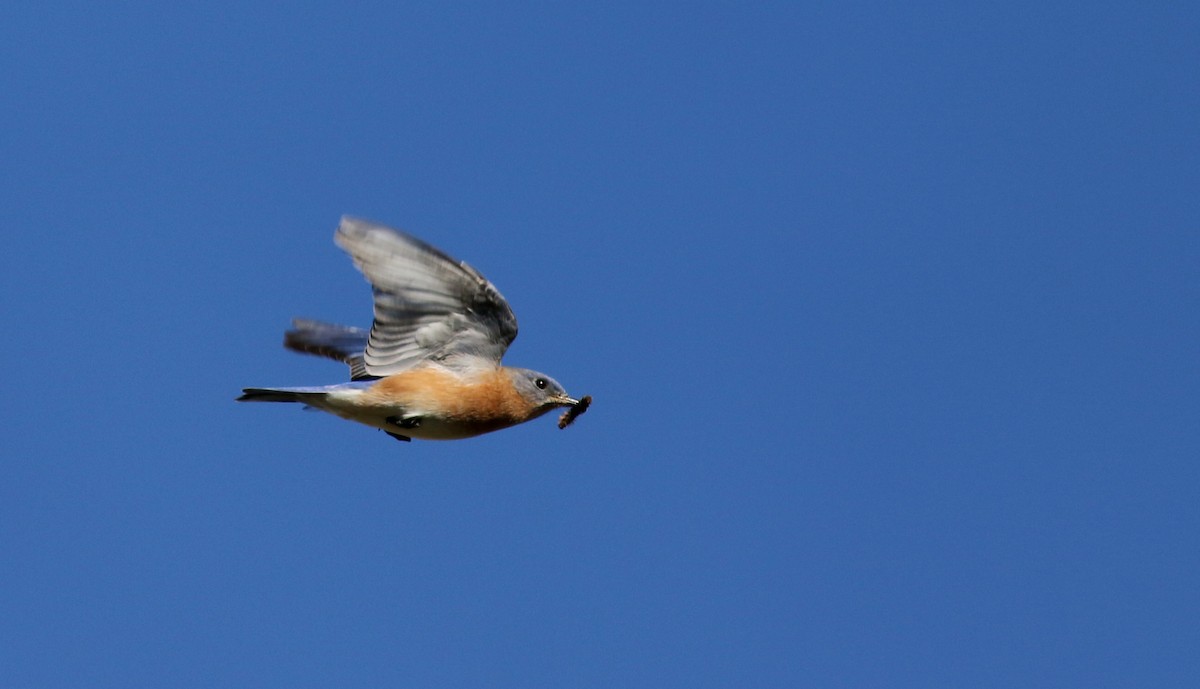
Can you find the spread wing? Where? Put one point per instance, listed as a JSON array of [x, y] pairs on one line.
[[338, 342], [427, 305]]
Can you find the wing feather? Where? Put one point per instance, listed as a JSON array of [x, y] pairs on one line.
[[427, 304]]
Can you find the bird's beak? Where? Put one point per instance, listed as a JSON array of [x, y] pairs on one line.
[[564, 401]]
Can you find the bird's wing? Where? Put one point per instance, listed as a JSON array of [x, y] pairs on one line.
[[427, 305], [339, 342]]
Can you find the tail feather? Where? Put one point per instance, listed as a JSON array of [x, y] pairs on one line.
[[303, 395], [306, 395]]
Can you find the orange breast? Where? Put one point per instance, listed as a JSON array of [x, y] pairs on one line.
[[486, 399]]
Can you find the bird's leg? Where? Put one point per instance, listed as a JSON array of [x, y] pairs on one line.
[[404, 422], [401, 422]]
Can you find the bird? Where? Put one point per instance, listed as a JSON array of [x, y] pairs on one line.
[[429, 367]]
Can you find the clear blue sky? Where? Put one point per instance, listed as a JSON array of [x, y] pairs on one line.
[[890, 313]]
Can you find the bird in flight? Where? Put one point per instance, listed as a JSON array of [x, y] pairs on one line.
[[429, 367]]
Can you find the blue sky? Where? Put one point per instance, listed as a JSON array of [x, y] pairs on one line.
[[889, 312]]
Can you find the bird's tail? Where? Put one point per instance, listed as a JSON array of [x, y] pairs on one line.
[[311, 396], [302, 395]]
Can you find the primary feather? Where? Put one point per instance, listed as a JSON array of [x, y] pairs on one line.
[[427, 304]]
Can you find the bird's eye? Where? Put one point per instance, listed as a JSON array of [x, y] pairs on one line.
[[541, 383]]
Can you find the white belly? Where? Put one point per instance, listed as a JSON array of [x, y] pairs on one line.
[[352, 406]]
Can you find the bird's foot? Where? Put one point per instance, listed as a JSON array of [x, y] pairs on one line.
[[405, 422]]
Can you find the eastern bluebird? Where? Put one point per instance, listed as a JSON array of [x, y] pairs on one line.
[[430, 365]]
